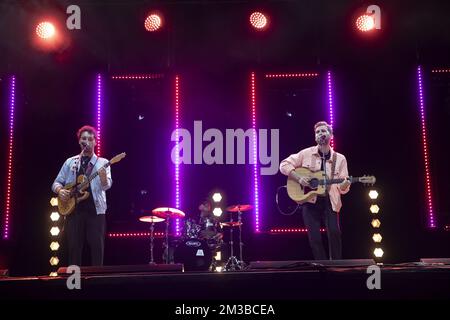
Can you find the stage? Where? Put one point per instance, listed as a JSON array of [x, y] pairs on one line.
[[263, 281]]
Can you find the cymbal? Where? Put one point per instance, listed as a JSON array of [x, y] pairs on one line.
[[231, 224], [239, 207], [166, 212], [151, 219]]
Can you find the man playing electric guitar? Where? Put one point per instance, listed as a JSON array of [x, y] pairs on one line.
[[87, 222], [321, 208]]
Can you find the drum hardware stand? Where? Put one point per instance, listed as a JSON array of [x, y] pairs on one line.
[[233, 264]]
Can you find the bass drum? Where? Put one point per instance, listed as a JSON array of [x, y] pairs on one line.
[[195, 254]]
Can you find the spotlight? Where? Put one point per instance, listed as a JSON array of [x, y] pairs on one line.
[[374, 209], [377, 237], [45, 30], [376, 223], [365, 23], [53, 274], [373, 194], [54, 246], [378, 252], [54, 231], [217, 212], [54, 216], [217, 197], [54, 201], [258, 20], [54, 261], [153, 22]]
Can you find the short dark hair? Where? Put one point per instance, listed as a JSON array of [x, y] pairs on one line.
[[323, 123], [89, 129]]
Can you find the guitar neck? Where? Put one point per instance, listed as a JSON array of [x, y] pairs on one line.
[[92, 176], [334, 181]]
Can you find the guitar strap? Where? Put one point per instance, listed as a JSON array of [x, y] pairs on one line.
[[333, 167]]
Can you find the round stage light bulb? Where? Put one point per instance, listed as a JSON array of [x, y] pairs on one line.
[[153, 22], [45, 30], [365, 23], [258, 20]]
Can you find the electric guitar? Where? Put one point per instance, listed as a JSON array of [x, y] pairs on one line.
[[317, 185], [78, 191]]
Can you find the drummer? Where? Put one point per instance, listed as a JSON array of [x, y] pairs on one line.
[[209, 223]]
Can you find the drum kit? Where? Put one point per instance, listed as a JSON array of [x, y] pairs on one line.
[[199, 242]]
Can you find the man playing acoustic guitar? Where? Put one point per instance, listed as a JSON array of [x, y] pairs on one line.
[[87, 221], [321, 208]]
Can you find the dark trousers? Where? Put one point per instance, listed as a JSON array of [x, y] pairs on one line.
[[85, 225], [313, 217]]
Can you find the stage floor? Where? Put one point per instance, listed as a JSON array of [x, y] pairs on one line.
[[270, 281]]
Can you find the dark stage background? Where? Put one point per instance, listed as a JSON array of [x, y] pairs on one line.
[[213, 50]]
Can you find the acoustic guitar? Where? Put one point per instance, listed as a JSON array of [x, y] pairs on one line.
[[317, 184], [78, 191]]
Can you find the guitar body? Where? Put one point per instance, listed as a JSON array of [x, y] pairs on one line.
[[301, 194], [66, 207], [78, 191], [317, 186]]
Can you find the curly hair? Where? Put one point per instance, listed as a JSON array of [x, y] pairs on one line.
[[89, 129]]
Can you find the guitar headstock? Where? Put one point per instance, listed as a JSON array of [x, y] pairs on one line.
[[118, 158], [368, 180]]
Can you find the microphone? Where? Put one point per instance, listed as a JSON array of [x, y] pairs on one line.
[[84, 144], [323, 138]]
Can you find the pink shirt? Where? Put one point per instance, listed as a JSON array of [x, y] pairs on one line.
[[310, 158]]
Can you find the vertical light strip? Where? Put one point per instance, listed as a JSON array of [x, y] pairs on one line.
[[99, 113], [255, 151], [431, 219], [12, 102], [177, 150], [330, 103]]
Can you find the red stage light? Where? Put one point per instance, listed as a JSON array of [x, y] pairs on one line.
[[45, 30], [365, 23], [258, 20], [153, 22]]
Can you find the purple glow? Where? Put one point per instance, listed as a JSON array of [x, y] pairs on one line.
[[255, 151], [330, 103], [138, 77], [12, 103], [99, 113], [291, 230], [291, 75], [177, 150], [135, 234], [431, 219]]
